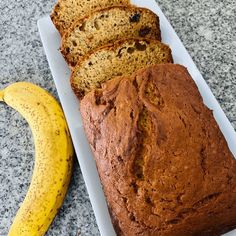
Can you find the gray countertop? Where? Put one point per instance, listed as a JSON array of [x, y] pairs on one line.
[[207, 29]]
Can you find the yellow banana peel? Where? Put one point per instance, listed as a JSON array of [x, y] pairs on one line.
[[53, 157]]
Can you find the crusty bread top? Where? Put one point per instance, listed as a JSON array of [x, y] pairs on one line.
[[66, 12], [164, 164], [123, 57], [106, 26]]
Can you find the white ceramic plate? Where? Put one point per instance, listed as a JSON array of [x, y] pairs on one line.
[[61, 73]]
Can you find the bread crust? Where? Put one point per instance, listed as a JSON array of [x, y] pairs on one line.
[[163, 162]]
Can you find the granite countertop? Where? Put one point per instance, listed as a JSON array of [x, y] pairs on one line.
[[207, 29]]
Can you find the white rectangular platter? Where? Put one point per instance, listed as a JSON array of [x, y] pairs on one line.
[[61, 73]]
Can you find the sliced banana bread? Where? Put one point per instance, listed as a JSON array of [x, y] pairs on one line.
[[66, 12], [106, 26], [120, 58]]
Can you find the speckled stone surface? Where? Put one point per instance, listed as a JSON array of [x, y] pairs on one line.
[[207, 29]]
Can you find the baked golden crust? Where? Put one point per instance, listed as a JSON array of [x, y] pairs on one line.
[[164, 164]]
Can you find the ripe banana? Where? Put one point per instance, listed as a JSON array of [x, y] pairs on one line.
[[53, 157]]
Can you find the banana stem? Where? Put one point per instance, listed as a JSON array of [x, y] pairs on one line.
[[1, 95]]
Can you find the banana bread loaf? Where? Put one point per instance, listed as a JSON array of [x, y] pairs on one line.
[[164, 164], [106, 26]]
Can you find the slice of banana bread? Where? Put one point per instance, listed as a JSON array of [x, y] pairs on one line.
[[164, 164], [121, 58], [106, 26], [66, 12]]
